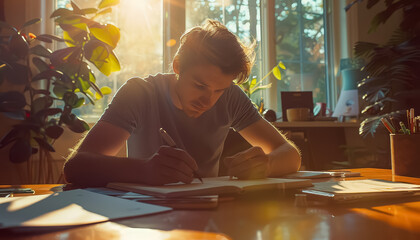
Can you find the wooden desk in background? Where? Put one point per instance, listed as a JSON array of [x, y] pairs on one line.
[[267, 217], [321, 141]]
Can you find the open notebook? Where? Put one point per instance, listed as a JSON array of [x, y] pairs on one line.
[[211, 186]]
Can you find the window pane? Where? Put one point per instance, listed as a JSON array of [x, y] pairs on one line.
[[287, 36], [313, 6], [300, 44], [139, 50]]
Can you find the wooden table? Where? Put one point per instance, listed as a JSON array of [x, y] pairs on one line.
[[268, 216]]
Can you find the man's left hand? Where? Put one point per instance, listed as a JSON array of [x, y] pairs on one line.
[[252, 163]]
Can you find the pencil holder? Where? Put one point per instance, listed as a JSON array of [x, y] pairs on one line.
[[405, 154]]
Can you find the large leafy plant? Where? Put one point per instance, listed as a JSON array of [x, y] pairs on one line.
[[392, 84], [49, 77]]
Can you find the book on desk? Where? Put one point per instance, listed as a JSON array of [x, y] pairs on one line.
[[211, 186]]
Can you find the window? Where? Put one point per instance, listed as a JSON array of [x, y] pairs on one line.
[[300, 44], [299, 35]]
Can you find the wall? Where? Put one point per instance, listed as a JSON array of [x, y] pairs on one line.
[[358, 24]]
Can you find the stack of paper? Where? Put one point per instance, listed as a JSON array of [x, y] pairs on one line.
[[362, 190], [69, 208]]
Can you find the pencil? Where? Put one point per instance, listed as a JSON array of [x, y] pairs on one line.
[[412, 120], [408, 118], [404, 129], [167, 138], [387, 125]]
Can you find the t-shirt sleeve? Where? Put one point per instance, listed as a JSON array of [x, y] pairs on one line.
[[242, 111], [127, 105]]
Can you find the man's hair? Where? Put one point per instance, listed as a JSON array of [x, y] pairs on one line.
[[213, 43]]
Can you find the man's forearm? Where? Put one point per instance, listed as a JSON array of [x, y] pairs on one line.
[[90, 169], [283, 160]]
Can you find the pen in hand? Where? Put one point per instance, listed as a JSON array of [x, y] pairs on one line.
[[172, 143]]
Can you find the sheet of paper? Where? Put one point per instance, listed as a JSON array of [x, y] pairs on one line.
[[364, 186], [69, 208]]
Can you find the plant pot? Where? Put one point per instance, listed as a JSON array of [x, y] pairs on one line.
[[405, 154]]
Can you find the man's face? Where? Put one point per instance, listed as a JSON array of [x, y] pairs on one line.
[[199, 87]]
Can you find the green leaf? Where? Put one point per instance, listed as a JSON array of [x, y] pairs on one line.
[[61, 12], [48, 74], [253, 83], [54, 131], [30, 22], [79, 103], [43, 39], [76, 124], [362, 49], [70, 98], [89, 96], [76, 21], [40, 51], [61, 56], [281, 65], [18, 46], [106, 90], [70, 42], [98, 96], [40, 104], [82, 85], [40, 64], [108, 3], [44, 144], [102, 57], [96, 88], [277, 72], [51, 37], [59, 90], [88, 11], [108, 34]]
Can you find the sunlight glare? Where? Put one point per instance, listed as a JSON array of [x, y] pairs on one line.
[[22, 203], [136, 11]]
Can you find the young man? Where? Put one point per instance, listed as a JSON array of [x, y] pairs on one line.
[[196, 106]]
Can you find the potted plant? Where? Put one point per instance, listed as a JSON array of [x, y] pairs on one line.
[[253, 86], [392, 84], [50, 77]]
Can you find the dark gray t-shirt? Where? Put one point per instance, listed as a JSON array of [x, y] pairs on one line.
[[143, 106]]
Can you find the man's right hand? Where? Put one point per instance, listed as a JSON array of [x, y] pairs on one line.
[[168, 165]]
